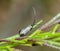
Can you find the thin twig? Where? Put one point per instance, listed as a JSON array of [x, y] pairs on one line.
[[50, 22]]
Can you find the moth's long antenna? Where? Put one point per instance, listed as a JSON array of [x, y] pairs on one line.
[[35, 15], [51, 21]]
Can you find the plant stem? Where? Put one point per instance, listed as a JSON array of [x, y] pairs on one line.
[[55, 28]]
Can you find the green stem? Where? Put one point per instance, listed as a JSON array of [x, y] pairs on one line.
[[8, 48], [53, 43], [55, 28], [35, 33], [56, 39], [38, 23]]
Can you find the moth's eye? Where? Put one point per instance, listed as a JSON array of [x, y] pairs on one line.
[[22, 35]]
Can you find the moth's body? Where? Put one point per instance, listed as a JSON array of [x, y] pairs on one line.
[[25, 30]]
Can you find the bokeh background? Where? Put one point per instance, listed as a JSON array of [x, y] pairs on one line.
[[17, 14]]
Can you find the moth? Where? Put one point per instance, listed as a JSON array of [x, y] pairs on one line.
[[24, 31]]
